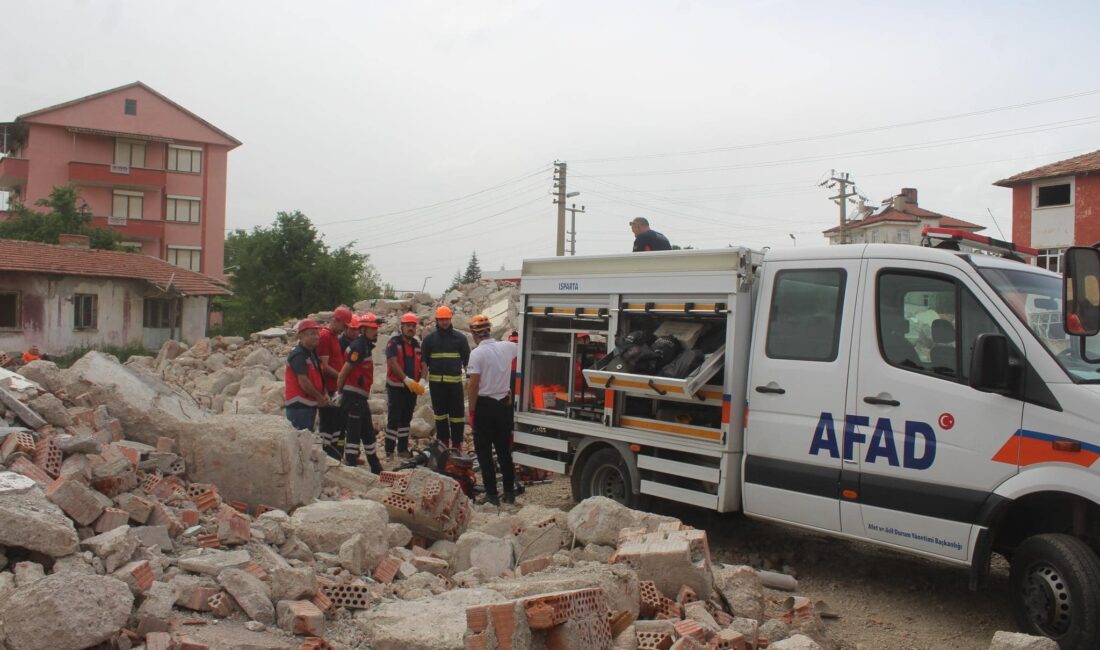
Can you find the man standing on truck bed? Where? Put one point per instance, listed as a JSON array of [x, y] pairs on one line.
[[489, 392], [445, 353], [647, 240]]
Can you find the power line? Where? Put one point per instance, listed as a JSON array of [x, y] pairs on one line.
[[931, 144], [452, 228], [839, 134], [435, 205]]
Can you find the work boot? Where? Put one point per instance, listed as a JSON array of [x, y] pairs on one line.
[[493, 499], [509, 498], [375, 465]]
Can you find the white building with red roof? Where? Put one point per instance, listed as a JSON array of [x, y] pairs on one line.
[[900, 220], [65, 297]]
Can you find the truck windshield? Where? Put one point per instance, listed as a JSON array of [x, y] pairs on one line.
[[1036, 298]]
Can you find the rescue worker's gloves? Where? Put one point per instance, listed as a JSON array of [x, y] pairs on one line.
[[414, 386], [336, 399]]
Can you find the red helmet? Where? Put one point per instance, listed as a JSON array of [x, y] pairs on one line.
[[307, 324], [368, 320], [410, 318], [443, 312], [343, 314]]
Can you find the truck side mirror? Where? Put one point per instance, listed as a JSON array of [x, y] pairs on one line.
[[1081, 291], [991, 367]]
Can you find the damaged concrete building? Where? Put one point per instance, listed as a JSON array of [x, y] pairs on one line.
[[70, 297]]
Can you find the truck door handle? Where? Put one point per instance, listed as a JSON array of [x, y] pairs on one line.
[[770, 389], [881, 401]]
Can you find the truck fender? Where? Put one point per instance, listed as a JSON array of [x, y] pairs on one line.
[[588, 445], [1059, 477], [1045, 478]]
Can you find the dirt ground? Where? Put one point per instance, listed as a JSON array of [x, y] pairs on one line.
[[883, 599]]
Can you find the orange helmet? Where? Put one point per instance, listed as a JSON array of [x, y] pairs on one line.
[[355, 322], [480, 324], [410, 318], [443, 312], [368, 320], [343, 314], [307, 324]]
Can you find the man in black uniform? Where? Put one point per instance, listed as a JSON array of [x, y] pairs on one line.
[[445, 353], [646, 239], [354, 382]]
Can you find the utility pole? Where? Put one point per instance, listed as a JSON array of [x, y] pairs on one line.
[[573, 210], [559, 184], [842, 182]]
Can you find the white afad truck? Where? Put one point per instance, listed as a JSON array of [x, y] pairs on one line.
[[920, 398]]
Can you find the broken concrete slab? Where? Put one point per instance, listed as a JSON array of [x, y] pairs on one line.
[[357, 480], [598, 520], [65, 612], [326, 525], [1018, 641], [491, 555], [51, 409], [740, 586], [251, 594], [434, 623], [29, 520], [153, 536], [361, 553], [282, 469], [620, 583], [212, 561], [21, 410], [798, 642], [293, 583]]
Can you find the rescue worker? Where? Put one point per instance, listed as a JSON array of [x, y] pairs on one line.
[[402, 384], [32, 354], [646, 239], [354, 382], [304, 390], [445, 353], [332, 360], [488, 388]]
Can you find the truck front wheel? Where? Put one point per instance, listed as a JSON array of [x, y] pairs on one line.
[[605, 474], [1055, 582]]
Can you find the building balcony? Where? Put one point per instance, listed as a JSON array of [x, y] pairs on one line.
[[120, 176], [133, 229], [13, 172]]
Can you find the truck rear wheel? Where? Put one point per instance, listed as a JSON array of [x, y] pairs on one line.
[[605, 474], [1055, 582]]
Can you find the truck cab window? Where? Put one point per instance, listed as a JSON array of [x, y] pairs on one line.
[[805, 317], [928, 324]]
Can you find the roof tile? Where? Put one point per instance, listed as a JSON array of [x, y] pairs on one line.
[[1083, 164], [33, 257]]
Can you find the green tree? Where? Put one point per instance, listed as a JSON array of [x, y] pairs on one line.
[[473, 270], [287, 271], [456, 281], [61, 217]]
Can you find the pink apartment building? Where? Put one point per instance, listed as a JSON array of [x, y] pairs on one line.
[[145, 166]]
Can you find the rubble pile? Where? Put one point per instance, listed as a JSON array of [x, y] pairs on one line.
[[132, 516], [231, 375]]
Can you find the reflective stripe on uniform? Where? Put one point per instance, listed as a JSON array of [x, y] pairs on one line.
[[445, 355], [445, 379]]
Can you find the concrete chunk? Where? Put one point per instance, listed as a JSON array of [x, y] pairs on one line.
[[1019, 641], [598, 520], [212, 562], [325, 525], [250, 593], [29, 520], [65, 612]]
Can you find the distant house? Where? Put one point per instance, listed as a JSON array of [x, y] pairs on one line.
[[146, 167], [65, 297], [899, 221], [1056, 206]]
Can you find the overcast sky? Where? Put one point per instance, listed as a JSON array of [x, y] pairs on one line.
[[351, 111]]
